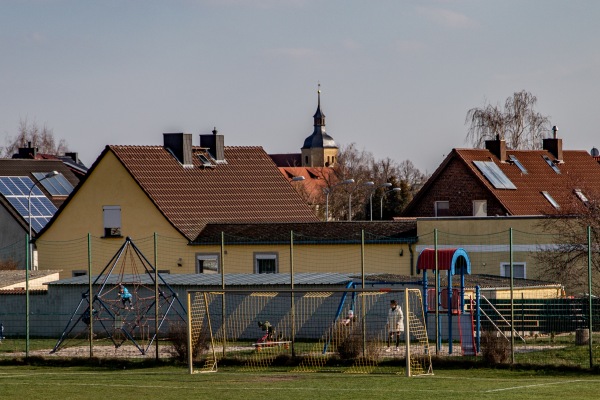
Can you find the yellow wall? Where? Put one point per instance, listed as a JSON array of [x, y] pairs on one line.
[[487, 240], [343, 258], [64, 246]]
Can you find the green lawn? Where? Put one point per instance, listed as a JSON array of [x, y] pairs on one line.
[[48, 383]]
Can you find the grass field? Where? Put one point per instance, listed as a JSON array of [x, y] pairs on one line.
[[49, 383]]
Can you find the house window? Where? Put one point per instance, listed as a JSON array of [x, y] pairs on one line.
[[78, 272], [479, 208], [164, 271], [265, 263], [442, 208], [305, 160], [112, 221], [518, 270], [207, 263]]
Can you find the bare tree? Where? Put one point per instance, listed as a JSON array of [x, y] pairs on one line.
[[517, 123], [567, 261], [41, 138], [361, 197]]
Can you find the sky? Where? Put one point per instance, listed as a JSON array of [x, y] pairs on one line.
[[397, 77]]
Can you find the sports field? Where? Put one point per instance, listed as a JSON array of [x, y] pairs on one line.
[[166, 383]]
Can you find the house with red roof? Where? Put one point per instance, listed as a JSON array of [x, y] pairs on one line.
[[173, 191], [476, 195]]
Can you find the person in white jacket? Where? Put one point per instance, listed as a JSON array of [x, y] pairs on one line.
[[395, 324]]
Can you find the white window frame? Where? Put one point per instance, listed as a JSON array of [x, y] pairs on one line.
[[482, 205], [266, 256], [505, 269], [435, 207], [208, 257], [111, 218]]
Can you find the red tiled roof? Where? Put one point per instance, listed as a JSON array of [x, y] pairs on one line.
[[315, 180], [578, 170], [247, 188]]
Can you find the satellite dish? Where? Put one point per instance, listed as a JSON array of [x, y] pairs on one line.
[[595, 152]]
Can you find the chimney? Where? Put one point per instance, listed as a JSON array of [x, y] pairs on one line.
[[73, 156], [497, 147], [215, 144], [26, 152], [554, 145], [180, 145]]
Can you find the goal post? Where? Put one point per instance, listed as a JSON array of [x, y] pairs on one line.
[[308, 330]]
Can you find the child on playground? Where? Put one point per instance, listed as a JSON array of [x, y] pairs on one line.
[[349, 319], [125, 297], [395, 324]]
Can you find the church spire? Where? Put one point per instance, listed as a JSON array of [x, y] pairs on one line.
[[319, 116]]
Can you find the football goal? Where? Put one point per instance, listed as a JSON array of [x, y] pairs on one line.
[[347, 329]]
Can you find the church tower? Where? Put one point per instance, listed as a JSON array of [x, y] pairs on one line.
[[319, 149]]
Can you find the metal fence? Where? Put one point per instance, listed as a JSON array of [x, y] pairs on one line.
[[513, 309]]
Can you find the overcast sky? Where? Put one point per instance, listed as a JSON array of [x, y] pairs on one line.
[[397, 76]]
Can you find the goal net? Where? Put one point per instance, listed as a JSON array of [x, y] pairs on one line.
[[309, 330]]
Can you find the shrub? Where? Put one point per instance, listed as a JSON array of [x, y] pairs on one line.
[[494, 349], [178, 337]]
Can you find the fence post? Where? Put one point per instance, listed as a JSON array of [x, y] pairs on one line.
[[478, 317], [223, 309], [90, 294], [512, 300], [438, 339], [292, 305], [591, 315], [27, 268], [156, 298], [362, 275]]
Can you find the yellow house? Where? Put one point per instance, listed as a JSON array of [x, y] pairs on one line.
[[162, 197]]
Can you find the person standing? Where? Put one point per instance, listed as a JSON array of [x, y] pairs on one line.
[[395, 325]]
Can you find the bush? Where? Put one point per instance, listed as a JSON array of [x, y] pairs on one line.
[[178, 337], [494, 349]]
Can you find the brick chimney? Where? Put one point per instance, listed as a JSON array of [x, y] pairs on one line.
[[180, 145], [497, 147], [554, 145], [215, 144]]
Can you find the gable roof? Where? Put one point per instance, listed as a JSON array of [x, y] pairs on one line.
[[578, 170], [246, 188]]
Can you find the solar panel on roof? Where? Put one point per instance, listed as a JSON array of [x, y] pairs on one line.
[[494, 175], [22, 194], [56, 185]]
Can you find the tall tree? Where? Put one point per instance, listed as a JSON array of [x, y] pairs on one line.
[[517, 123], [41, 138]]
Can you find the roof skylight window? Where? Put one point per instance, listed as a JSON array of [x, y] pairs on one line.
[[551, 200], [518, 163], [205, 161], [581, 196], [551, 164], [494, 175]]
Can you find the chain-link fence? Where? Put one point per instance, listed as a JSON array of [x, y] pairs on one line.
[[516, 304]]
